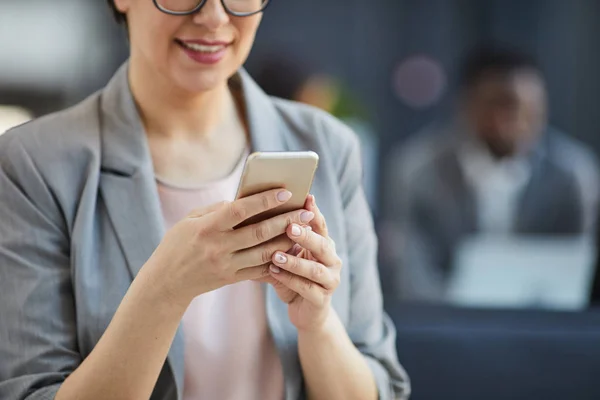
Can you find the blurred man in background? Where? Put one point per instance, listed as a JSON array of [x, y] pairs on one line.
[[498, 169]]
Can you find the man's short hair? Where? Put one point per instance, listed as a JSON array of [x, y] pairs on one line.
[[495, 59]]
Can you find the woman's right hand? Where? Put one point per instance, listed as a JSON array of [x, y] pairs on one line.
[[204, 252]]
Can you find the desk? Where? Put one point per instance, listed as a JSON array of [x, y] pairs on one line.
[[453, 353]]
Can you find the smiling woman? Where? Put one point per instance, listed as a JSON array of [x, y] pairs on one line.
[[136, 283]]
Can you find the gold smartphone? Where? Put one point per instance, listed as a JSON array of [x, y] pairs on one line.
[[264, 171]]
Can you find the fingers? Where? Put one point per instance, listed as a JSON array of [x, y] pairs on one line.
[[322, 248], [253, 235], [309, 290], [201, 212], [262, 254], [258, 273], [311, 270], [295, 251], [233, 214], [318, 224], [284, 293]]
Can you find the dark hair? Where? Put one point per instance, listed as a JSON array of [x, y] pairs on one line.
[[119, 16], [495, 59]]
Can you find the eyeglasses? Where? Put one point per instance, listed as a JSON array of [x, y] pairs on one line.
[[237, 8]]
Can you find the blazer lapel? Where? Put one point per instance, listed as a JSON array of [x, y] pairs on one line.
[[128, 189], [464, 220], [269, 133], [466, 205], [531, 213]]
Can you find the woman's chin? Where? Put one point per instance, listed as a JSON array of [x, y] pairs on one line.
[[199, 82]]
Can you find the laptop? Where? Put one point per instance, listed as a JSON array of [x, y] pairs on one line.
[[523, 272]]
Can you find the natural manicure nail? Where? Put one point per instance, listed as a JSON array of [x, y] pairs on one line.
[[284, 196], [307, 216], [296, 231], [280, 258], [275, 270]]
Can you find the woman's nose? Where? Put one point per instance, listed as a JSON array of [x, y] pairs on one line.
[[212, 15]]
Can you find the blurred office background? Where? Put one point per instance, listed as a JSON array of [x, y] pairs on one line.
[[389, 69], [59, 51]]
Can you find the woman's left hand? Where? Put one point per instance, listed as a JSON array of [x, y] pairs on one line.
[[307, 276]]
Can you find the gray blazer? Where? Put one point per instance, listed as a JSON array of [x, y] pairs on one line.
[[430, 207], [80, 214]]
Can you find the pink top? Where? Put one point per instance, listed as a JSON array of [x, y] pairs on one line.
[[229, 350]]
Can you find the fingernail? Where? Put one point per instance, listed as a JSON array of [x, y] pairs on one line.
[[280, 258], [274, 269], [296, 230], [307, 216], [284, 196]]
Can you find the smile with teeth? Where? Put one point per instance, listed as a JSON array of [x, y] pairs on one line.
[[203, 48]]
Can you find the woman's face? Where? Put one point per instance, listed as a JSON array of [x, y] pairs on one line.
[[196, 52]]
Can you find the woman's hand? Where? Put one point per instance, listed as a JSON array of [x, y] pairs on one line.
[[307, 276], [203, 252]]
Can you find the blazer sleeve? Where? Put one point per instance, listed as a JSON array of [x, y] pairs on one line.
[[38, 344], [371, 330]]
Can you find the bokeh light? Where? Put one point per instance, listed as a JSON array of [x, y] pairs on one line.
[[419, 81], [11, 116]]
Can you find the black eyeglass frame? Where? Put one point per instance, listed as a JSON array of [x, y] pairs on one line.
[[203, 2]]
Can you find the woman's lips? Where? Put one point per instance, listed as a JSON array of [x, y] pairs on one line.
[[204, 51]]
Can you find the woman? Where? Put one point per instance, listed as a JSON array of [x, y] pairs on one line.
[[98, 303]]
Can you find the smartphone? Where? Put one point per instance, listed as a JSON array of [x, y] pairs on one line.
[[293, 171]]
